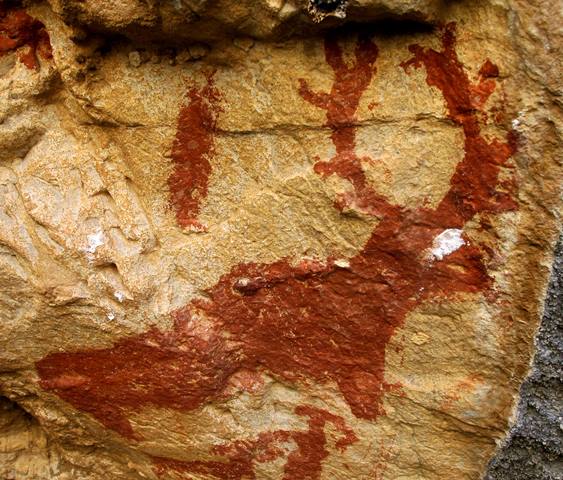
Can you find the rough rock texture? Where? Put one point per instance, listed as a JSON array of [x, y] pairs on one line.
[[179, 20], [24, 452], [534, 447], [237, 243]]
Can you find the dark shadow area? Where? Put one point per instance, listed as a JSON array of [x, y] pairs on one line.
[[327, 6]]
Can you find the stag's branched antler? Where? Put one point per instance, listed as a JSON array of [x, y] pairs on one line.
[[475, 183], [341, 104]]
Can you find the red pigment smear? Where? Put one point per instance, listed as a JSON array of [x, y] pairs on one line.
[[312, 322], [303, 463], [191, 152], [18, 29]]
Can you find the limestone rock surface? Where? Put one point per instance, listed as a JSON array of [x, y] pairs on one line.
[[272, 240]]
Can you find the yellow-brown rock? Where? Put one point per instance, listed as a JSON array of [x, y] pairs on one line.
[[271, 240]]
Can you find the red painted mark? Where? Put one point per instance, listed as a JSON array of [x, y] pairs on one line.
[[460, 390], [191, 153], [19, 31], [313, 322], [341, 104], [386, 451], [303, 462]]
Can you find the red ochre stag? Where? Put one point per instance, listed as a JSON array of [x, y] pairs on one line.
[[315, 322]]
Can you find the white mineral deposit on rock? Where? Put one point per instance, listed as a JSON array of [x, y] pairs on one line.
[[95, 240], [243, 282], [342, 263], [447, 242]]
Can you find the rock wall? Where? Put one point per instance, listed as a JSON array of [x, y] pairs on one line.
[[534, 446], [24, 448], [261, 239]]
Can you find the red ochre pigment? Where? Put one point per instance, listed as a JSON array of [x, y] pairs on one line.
[[303, 463], [191, 152], [19, 31], [313, 322]]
